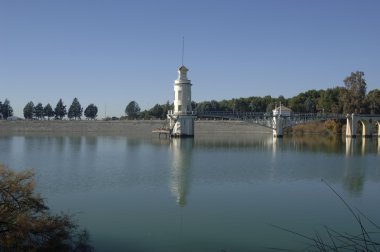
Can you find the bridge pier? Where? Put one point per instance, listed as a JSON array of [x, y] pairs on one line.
[[367, 128], [278, 125], [279, 121], [351, 125]]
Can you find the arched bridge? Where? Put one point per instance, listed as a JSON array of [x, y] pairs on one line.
[[266, 119], [279, 121]]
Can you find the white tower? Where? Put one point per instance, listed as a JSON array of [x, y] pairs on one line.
[[182, 117]]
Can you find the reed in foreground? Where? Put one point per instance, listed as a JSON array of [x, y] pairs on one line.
[[368, 238]]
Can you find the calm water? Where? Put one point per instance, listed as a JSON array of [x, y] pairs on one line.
[[210, 193]]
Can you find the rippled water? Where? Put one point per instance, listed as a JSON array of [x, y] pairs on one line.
[[211, 193]]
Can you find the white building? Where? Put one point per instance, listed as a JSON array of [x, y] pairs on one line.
[[282, 110], [182, 117], [280, 114]]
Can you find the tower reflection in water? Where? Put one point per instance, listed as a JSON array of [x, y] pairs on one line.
[[181, 168]]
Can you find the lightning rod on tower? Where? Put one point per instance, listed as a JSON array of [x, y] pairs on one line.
[[183, 49]]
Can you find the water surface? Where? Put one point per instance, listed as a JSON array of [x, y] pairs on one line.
[[211, 193]]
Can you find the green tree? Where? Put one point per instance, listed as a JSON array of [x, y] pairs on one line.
[[193, 106], [258, 104], [38, 111], [60, 110], [214, 105], [48, 111], [305, 102], [330, 101], [270, 107], [297, 103], [309, 105], [223, 105], [143, 114], [240, 105], [373, 99], [168, 107], [75, 110], [203, 107], [25, 222], [281, 100], [269, 103], [91, 112], [157, 111], [132, 110], [29, 110], [354, 94], [6, 110]]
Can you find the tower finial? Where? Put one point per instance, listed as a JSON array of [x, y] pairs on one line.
[[183, 49]]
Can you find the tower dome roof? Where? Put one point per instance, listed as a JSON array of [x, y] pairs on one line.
[[182, 73], [183, 68]]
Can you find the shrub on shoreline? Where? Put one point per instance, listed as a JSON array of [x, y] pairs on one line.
[[25, 222]]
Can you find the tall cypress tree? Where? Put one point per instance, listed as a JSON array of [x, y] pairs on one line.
[[48, 111], [60, 110], [75, 110], [29, 110], [38, 111], [6, 110]]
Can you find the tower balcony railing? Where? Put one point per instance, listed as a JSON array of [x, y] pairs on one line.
[[171, 112]]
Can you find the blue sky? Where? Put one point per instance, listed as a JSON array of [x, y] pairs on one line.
[[112, 52]]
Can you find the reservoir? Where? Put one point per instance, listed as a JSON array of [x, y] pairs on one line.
[[214, 192]]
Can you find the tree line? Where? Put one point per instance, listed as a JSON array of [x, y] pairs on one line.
[[350, 98], [75, 111]]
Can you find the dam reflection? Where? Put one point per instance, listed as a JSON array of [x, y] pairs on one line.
[[312, 158], [180, 169], [362, 146], [267, 158]]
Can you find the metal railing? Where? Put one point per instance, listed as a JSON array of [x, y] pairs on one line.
[[266, 119], [171, 112]]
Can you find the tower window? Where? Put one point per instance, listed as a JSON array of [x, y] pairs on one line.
[[179, 95], [179, 107]]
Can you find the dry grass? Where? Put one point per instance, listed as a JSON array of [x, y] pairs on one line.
[[327, 128]]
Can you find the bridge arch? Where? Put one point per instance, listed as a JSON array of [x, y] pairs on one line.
[[369, 124], [366, 126]]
